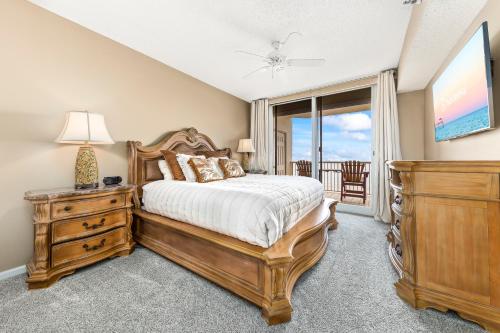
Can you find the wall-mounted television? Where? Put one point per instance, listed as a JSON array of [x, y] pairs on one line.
[[463, 101]]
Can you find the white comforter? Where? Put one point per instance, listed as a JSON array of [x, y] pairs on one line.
[[256, 209]]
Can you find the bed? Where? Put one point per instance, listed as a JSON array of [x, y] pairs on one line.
[[264, 274]]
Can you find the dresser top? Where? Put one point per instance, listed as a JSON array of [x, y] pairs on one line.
[[445, 166], [64, 192]]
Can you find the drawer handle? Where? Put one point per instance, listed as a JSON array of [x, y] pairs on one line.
[[397, 224], [67, 208], [398, 250], [113, 201], [94, 226], [398, 200], [94, 247]]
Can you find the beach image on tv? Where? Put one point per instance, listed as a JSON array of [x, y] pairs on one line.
[[460, 94]]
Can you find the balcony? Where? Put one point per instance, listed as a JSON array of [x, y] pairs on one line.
[[331, 179]]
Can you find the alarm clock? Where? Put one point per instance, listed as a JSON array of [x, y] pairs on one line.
[[110, 181]]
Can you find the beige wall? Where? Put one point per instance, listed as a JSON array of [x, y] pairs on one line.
[[411, 124], [48, 66], [482, 146]]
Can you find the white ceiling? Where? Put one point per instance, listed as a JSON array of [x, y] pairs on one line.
[[435, 27], [358, 38]]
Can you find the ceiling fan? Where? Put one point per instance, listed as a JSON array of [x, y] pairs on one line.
[[277, 61]]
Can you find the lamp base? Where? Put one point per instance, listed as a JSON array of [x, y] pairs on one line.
[[86, 172], [245, 162]]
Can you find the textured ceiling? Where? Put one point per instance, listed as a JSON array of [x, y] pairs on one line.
[[358, 38], [435, 27]]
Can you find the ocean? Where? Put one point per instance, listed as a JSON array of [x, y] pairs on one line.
[[472, 122]]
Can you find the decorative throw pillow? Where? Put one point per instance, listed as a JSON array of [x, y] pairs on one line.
[[231, 168], [215, 165], [175, 168], [187, 170], [165, 170], [204, 170], [215, 153]]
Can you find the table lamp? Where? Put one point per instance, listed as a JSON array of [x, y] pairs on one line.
[[86, 129], [245, 146]]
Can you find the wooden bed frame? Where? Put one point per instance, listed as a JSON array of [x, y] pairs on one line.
[[265, 277]]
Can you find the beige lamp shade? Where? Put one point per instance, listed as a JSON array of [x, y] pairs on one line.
[[246, 146], [84, 127]]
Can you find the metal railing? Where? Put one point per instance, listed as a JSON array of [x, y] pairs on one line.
[[330, 177]]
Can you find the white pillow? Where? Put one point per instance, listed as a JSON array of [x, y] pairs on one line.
[[165, 170], [187, 170], [215, 165]]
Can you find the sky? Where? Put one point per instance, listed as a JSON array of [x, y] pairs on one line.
[[345, 137], [462, 88]]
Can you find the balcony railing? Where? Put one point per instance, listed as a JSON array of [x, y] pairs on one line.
[[332, 179]]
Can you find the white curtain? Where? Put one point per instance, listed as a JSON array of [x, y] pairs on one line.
[[259, 133], [386, 144]]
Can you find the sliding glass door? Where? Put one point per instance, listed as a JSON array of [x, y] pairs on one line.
[[345, 135], [314, 137]]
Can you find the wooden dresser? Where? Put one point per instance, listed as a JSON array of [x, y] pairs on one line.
[[444, 239], [75, 228]]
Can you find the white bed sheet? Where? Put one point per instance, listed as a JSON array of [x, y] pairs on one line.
[[257, 209]]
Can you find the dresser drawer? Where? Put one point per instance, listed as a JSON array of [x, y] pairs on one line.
[[87, 226], [87, 247], [479, 185], [71, 208]]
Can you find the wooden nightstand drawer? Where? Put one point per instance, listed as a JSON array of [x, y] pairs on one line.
[[87, 226], [71, 208], [87, 247]]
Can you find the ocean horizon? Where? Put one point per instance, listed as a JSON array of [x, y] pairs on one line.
[[472, 122]]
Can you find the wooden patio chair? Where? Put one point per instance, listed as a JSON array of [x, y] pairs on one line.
[[353, 183], [304, 168]]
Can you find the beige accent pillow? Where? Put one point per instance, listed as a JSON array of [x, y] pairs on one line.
[[204, 170], [231, 168], [215, 164], [165, 170], [187, 170]]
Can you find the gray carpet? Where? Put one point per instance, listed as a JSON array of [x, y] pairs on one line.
[[349, 290]]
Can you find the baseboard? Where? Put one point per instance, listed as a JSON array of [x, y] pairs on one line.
[[12, 272]]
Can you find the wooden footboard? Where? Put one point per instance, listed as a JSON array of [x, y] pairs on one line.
[[265, 277]]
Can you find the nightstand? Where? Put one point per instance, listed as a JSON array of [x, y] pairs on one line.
[[76, 228], [256, 172]]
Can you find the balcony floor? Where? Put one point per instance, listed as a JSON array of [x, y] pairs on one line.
[[348, 200]]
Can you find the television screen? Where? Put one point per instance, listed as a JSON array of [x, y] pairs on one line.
[[462, 94]]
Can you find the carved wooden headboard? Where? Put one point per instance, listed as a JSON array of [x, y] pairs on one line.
[[143, 160]]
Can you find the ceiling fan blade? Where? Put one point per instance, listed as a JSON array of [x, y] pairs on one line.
[[250, 53], [257, 70], [288, 37], [306, 62]]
